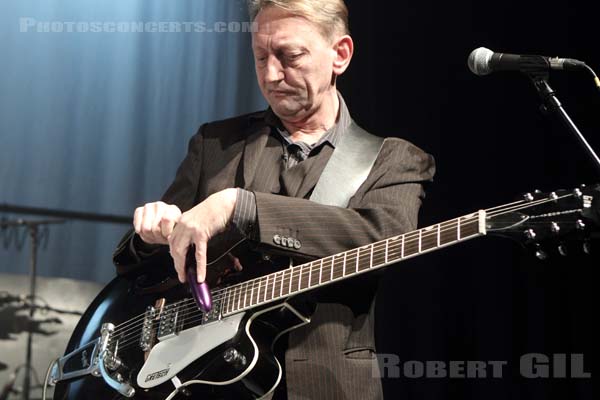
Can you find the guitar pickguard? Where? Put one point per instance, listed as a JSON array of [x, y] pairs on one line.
[[168, 357]]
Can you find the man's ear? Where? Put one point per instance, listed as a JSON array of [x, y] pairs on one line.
[[343, 48]]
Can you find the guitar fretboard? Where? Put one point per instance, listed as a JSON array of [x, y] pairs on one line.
[[304, 277]]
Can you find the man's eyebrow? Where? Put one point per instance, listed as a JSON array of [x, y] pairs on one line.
[[286, 45]]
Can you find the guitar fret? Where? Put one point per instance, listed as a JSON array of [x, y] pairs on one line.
[[387, 244], [357, 259], [309, 274], [471, 226], [245, 294], [371, 260], [231, 299], [239, 297], [449, 235], [429, 239], [331, 270], [320, 271], [226, 302], [291, 276], [439, 229], [344, 265], [266, 289], [258, 296], [315, 271], [273, 289], [280, 284], [402, 251], [232, 302], [283, 292], [420, 240], [252, 293], [300, 278], [270, 286], [458, 228]]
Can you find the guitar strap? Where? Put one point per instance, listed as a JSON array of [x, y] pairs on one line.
[[348, 167]]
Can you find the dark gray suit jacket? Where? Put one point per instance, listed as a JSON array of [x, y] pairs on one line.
[[336, 350]]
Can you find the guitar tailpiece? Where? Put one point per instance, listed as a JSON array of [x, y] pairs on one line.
[[104, 357]]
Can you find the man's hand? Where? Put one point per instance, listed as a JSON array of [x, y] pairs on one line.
[[197, 226], [154, 222]]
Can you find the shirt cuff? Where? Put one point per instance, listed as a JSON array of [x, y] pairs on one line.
[[244, 214]]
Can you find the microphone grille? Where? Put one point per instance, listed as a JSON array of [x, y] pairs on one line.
[[479, 61]]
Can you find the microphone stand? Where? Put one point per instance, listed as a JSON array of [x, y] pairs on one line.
[[32, 226], [551, 103]]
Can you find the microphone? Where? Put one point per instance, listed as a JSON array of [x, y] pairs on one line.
[[483, 61]]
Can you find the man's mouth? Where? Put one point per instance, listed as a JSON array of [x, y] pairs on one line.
[[280, 93]]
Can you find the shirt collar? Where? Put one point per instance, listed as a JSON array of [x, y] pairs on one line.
[[333, 134]]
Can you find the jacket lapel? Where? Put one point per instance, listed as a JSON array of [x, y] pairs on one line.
[[299, 180], [255, 144]]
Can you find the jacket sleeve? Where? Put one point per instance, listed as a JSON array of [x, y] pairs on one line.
[[386, 204]]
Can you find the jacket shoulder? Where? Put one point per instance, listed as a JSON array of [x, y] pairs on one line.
[[239, 123]]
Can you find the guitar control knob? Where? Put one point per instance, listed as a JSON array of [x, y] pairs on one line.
[[234, 357], [562, 250], [578, 193], [587, 248], [541, 254], [580, 225], [554, 227], [528, 197], [530, 234]]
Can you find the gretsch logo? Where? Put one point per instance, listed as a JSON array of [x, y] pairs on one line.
[[156, 375]]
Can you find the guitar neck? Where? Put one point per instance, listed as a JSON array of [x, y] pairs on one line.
[[321, 272]]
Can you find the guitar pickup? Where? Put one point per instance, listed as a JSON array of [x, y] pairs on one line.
[[170, 323], [151, 317]]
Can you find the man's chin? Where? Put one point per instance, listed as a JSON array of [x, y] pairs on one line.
[[284, 110]]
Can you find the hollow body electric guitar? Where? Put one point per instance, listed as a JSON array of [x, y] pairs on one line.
[[151, 341]]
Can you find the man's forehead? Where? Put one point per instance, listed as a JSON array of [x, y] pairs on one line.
[[280, 24], [279, 39]]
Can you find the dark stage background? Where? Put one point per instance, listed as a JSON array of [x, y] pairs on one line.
[[486, 299]]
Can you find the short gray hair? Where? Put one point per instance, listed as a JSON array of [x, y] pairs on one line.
[[331, 16]]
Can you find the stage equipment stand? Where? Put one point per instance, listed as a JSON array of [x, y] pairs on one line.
[[33, 228]]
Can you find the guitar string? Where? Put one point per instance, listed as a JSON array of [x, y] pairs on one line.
[[425, 233], [220, 291], [301, 273], [194, 312], [452, 223]]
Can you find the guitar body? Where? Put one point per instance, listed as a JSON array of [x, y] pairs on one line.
[[251, 334], [145, 337]]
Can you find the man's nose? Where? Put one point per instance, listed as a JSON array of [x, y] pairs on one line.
[[274, 70]]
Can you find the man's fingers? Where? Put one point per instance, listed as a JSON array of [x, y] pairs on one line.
[[156, 221], [147, 217], [178, 248], [237, 265], [166, 226], [201, 260], [137, 219]]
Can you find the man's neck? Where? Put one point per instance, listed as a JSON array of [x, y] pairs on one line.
[[314, 127]]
